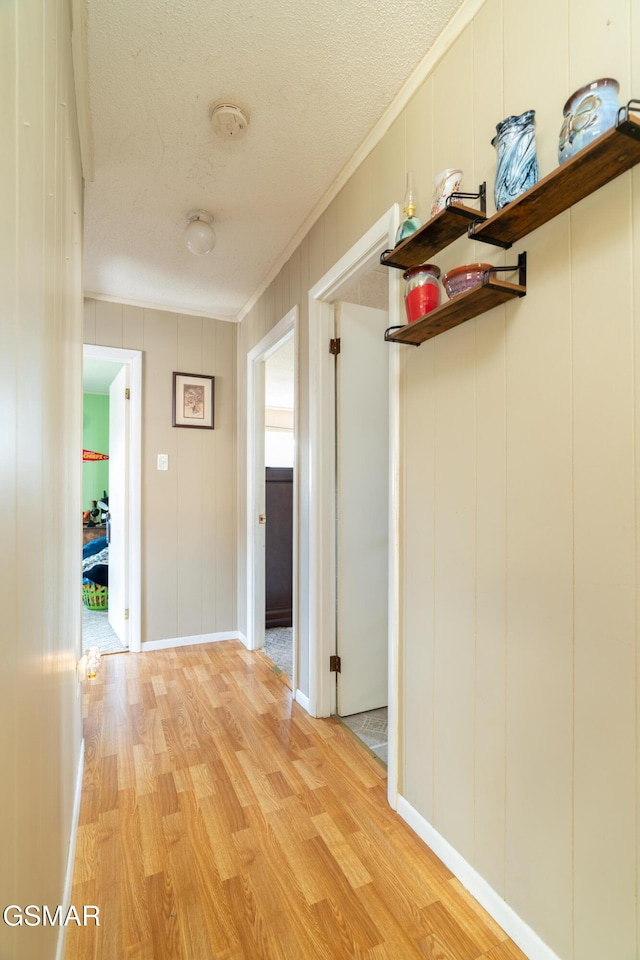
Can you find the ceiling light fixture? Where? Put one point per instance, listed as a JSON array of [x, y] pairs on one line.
[[228, 120], [199, 234]]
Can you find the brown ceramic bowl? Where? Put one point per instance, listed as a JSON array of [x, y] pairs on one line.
[[463, 278]]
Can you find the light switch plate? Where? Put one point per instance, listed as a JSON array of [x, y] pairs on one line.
[[163, 461]]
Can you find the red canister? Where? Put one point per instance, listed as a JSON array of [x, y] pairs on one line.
[[422, 290]]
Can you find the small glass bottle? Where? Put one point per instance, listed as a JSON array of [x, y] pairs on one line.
[[410, 223]]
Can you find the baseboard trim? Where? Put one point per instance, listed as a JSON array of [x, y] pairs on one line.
[[71, 858], [303, 700], [504, 915], [189, 641]]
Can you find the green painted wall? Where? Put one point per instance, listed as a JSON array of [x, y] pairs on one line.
[[95, 436]]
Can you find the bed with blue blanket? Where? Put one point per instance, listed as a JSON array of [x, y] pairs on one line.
[[95, 562]]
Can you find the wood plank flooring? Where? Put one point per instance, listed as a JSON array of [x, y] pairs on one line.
[[220, 822]]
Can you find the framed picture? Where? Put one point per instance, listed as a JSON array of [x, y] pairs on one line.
[[193, 400]]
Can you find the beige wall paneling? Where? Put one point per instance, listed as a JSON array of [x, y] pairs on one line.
[[223, 483], [160, 488], [454, 499], [188, 465], [353, 210], [209, 467], [295, 280], [605, 571], [488, 110], [419, 148], [453, 104], [56, 235], [287, 280], [132, 327], [491, 573], [40, 465], [302, 334], [600, 46], [270, 317], [539, 594], [634, 86], [490, 703], [332, 239], [417, 711], [257, 322], [386, 172], [316, 252], [278, 296], [605, 574], [243, 341], [635, 188], [29, 882], [109, 324], [455, 549], [89, 321], [536, 69], [453, 134], [539, 530], [8, 440]]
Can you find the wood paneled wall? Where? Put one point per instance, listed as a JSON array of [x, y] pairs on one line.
[[188, 512], [40, 462], [519, 538]]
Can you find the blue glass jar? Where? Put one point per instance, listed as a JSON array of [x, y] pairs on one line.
[[587, 114], [517, 162]]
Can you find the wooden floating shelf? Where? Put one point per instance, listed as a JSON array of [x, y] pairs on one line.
[[435, 235], [612, 154], [463, 307]]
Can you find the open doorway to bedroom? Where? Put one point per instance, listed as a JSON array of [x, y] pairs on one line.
[[97, 378], [111, 507], [272, 465], [279, 404]]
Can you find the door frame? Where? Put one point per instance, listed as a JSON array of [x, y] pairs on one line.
[[285, 329], [132, 359], [357, 262]]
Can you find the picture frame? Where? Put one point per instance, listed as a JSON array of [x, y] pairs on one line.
[[193, 401]]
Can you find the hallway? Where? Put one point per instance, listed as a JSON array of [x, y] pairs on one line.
[[220, 822]]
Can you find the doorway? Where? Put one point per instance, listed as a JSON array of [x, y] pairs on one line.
[[324, 590], [98, 461], [272, 497], [362, 509], [118, 373], [279, 410]]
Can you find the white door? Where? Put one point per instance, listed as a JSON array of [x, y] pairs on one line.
[[118, 504], [362, 508]]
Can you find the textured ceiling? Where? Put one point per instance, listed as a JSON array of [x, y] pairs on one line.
[[314, 76]]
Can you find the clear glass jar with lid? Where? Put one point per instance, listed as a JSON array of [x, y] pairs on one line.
[[421, 290]]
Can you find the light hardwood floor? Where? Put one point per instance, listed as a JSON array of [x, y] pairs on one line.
[[220, 822]]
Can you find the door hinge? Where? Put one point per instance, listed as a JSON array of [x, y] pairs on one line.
[[126, 613], [127, 393], [334, 346], [334, 664]]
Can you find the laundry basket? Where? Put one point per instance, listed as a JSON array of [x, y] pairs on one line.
[[94, 596]]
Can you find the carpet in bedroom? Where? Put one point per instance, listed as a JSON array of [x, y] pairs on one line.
[[278, 646], [97, 632]]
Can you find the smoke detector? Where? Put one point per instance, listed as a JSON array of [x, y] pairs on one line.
[[228, 120]]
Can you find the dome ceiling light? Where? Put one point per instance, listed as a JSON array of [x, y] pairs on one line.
[[199, 234]]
